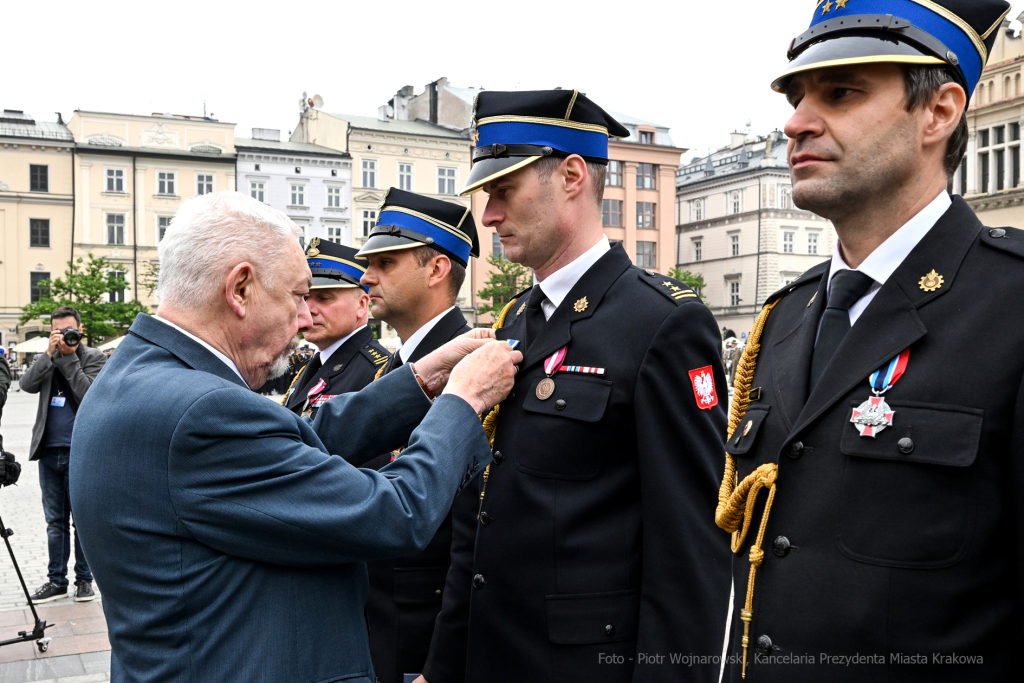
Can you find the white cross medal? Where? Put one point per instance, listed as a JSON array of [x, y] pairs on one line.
[[874, 414]]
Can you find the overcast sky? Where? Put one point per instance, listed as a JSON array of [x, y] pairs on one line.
[[702, 68]]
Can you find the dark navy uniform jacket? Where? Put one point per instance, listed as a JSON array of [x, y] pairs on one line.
[[904, 548], [596, 539]]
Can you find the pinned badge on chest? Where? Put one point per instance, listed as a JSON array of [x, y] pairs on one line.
[[552, 364], [874, 414]]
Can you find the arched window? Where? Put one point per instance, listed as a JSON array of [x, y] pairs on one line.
[[698, 210], [1016, 85], [735, 202], [991, 91], [784, 198], [1006, 88]]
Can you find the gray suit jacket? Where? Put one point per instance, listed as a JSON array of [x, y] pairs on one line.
[[79, 369]]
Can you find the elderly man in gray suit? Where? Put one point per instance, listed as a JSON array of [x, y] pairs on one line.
[[228, 537]]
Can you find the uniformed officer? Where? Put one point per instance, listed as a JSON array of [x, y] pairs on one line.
[[348, 356], [874, 482], [591, 540], [418, 254]]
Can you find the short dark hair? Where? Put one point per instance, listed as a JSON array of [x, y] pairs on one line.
[[65, 312], [922, 82], [456, 276], [597, 173]]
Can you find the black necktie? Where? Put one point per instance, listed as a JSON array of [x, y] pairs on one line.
[[307, 375], [396, 361], [847, 287], [535, 315]]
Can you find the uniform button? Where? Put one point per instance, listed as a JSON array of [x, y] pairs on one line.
[[478, 581], [560, 404], [498, 457], [997, 233], [797, 449], [485, 518], [764, 645], [781, 546], [906, 444], [609, 630], [437, 593]]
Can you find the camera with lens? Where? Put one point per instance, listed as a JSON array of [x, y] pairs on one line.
[[10, 469], [71, 336]]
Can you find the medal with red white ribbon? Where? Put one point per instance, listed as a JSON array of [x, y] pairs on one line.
[[874, 414], [552, 364]]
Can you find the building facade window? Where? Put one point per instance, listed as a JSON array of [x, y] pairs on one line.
[[204, 183], [333, 197], [645, 215], [1015, 161], [298, 195], [256, 190], [785, 198], [788, 240], [38, 178], [1014, 131], [698, 250], [698, 210], [611, 213], [115, 180], [983, 138], [646, 137], [39, 232], [165, 182], [613, 177], [646, 177], [734, 201], [647, 254], [115, 228], [497, 250], [405, 177], [1000, 168], [36, 290], [162, 223], [1000, 134], [369, 220], [812, 243], [983, 163], [734, 245], [734, 293], [445, 180], [116, 295], [369, 173], [334, 234]]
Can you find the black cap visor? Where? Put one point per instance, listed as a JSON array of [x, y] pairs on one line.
[[853, 49], [488, 169], [321, 281]]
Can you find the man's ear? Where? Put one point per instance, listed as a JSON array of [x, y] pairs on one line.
[[574, 175], [440, 268], [364, 303], [944, 113], [239, 288]]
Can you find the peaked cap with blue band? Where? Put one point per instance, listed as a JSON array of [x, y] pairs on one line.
[[955, 33], [514, 129], [407, 220], [334, 265]]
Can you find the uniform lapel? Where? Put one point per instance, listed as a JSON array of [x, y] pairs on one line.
[[446, 329], [791, 367], [592, 287], [515, 322], [891, 322], [342, 358]]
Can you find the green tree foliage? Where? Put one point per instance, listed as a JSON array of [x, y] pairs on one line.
[[149, 278], [694, 281], [503, 283], [86, 287]]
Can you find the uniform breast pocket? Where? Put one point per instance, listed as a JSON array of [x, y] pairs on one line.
[[564, 441], [907, 496], [745, 436]]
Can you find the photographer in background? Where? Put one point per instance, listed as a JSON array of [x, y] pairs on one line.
[[61, 376]]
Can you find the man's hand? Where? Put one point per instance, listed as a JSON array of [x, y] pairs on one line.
[[434, 368], [420, 679], [55, 338], [485, 377]]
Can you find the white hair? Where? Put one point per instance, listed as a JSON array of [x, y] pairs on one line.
[[211, 234]]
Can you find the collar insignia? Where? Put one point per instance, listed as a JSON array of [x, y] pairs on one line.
[[521, 309], [931, 281], [580, 305]]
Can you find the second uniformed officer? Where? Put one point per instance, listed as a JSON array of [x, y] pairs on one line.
[[348, 356], [877, 512], [418, 253], [591, 540]]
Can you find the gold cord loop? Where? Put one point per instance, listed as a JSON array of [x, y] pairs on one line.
[[490, 421]]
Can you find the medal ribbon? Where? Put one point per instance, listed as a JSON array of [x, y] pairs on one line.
[[554, 361], [883, 379]]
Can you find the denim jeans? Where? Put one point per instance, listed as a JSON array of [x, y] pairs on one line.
[[53, 479]]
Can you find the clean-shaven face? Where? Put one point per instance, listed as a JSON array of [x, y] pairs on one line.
[[397, 283], [335, 313], [523, 209]]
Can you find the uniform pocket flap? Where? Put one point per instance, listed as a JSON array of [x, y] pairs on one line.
[[593, 617], [746, 432], [926, 433], [419, 585], [576, 397]]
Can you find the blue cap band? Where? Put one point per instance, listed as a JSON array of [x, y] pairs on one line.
[[324, 262], [951, 35], [569, 140], [441, 237]]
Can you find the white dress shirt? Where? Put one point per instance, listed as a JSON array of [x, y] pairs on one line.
[[406, 349], [227, 361], [887, 257], [325, 354], [558, 285]]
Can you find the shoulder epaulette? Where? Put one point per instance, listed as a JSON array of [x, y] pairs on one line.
[[1010, 240], [377, 354], [673, 289]]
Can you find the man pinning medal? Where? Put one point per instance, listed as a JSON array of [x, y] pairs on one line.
[[873, 483], [591, 539], [417, 258], [348, 356]]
